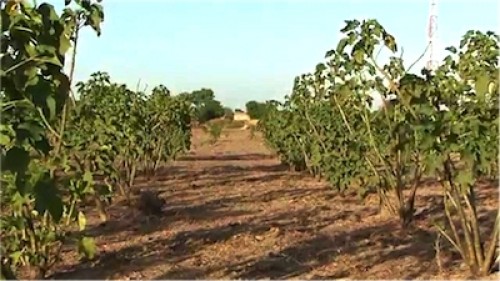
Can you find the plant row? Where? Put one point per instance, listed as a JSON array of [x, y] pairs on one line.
[[440, 124], [58, 152]]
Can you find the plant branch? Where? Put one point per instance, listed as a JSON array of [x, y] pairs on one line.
[[418, 59]]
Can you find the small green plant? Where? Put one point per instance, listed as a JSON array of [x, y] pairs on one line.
[[214, 131]]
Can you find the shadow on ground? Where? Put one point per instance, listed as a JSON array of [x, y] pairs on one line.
[[323, 249], [194, 209], [228, 157], [370, 247], [186, 244]]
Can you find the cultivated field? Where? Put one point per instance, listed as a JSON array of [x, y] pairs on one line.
[[232, 211], [99, 181]]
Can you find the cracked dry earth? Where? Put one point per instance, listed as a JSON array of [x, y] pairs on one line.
[[233, 212]]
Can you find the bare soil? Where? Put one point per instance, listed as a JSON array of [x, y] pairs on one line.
[[233, 212]]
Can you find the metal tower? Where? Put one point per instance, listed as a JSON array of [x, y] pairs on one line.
[[431, 35]]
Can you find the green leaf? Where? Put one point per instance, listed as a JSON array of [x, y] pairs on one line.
[[350, 25], [4, 140], [482, 85], [359, 56], [463, 42], [15, 256], [51, 105], [64, 45], [52, 60], [465, 178], [320, 67], [48, 199], [46, 49], [341, 45], [390, 42], [451, 49], [82, 221], [31, 130], [48, 12], [87, 247], [96, 17], [85, 4], [42, 145], [18, 200], [88, 177], [16, 160]]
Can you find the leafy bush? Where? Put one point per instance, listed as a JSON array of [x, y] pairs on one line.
[[206, 107], [211, 109], [214, 129], [256, 109]]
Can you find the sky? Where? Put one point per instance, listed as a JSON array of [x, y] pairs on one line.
[[252, 49]]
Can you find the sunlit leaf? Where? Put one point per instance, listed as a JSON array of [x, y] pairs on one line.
[[87, 247]]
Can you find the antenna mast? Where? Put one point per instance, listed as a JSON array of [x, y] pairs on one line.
[[431, 35]]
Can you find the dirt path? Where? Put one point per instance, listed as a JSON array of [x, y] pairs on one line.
[[234, 212]]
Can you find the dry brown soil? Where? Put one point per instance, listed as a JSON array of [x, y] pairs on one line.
[[233, 212]]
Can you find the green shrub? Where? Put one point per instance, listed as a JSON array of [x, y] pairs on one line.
[[214, 129]]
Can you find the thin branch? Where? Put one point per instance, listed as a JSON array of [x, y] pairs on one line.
[[476, 235], [443, 232], [458, 241], [490, 254], [419, 58], [47, 124], [72, 98], [379, 51], [14, 67], [392, 86], [73, 63], [9, 104]]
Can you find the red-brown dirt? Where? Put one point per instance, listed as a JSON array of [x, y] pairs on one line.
[[233, 212]]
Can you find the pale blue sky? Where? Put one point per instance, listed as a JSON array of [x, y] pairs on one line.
[[252, 50]]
